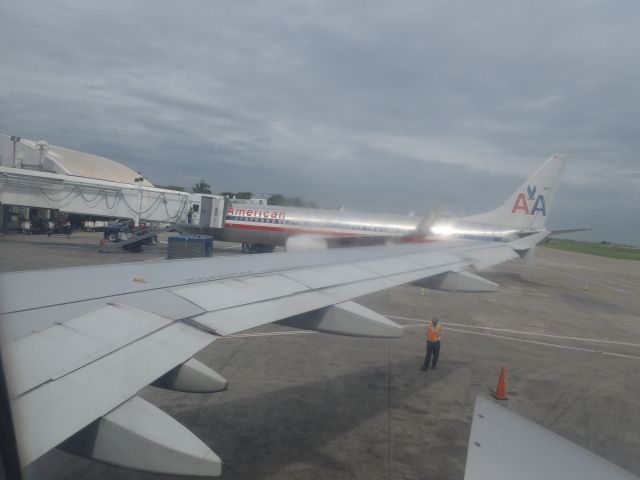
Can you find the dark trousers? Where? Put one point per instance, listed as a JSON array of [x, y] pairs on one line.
[[433, 348]]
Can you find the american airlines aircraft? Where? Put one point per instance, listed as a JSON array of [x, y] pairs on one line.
[[262, 227], [76, 354], [523, 213]]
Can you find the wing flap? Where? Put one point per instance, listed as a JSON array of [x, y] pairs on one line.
[[234, 320], [49, 414], [389, 266], [320, 277], [230, 293], [58, 350]]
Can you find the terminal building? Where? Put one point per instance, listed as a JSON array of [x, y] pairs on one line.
[[42, 181]]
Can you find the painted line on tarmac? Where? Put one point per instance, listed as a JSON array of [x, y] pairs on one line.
[[268, 334], [456, 330], [520, 332], [626, 283], [594, 281], [156, 259], [545, 344]]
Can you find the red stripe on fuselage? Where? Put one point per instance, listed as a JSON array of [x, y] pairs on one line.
[[270, 228], [327, 233]]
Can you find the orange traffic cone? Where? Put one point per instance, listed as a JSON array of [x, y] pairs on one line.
[[501, 393]]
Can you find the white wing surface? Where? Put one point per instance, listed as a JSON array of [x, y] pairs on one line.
[[79, 343], [504, 445]]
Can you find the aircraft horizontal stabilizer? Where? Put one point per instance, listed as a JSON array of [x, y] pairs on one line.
[[347, 318], [526, 243], [570, 230], [140, 436]]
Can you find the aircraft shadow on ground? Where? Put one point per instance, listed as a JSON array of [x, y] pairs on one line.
[[260, 435]]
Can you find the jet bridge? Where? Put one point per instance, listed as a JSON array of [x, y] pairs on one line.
[[90, 196]]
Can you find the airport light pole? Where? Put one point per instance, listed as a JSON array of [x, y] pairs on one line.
[[42, 147], [15, 140], [138, 181]]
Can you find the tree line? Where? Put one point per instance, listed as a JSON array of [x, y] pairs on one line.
[[276, 199]]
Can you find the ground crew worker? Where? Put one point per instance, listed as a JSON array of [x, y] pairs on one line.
[[434, 332]]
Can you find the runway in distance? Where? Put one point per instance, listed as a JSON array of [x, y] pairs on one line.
[[522, 214], [76, 355]]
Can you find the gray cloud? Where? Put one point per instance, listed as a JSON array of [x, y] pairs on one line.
[[379, 106]]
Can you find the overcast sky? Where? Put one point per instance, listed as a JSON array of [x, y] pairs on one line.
[[380, 106]]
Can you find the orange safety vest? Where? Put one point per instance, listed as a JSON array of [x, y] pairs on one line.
[[433, 334]]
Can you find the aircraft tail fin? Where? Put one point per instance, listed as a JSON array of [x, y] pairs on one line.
[[529, 206]]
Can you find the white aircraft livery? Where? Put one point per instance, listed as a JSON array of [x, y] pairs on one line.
[[76, 354]]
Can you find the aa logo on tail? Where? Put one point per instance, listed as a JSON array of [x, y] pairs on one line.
[[530, 203]]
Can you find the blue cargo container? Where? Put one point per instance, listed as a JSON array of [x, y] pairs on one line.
[[190, 246]]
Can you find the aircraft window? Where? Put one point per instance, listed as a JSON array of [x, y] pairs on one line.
[[195, 208]]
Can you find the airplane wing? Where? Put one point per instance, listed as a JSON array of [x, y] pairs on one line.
[[79, 343], [504, 445]]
